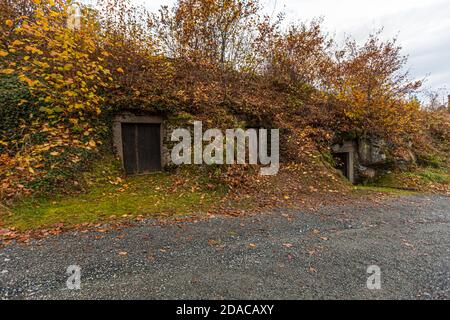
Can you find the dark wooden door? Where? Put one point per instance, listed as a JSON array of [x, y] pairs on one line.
[[141, 147]]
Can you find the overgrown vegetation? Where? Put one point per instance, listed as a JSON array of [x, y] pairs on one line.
[[223, 62]]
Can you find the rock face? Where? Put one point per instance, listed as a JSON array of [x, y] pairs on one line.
[[367, 173], [371, 152]]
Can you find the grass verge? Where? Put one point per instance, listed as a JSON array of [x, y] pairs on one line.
[[386, 190], [422, 179], [148, 195]]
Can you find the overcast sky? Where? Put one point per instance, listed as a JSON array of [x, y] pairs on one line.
[[422, 26]]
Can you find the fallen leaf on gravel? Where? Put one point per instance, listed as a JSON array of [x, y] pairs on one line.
[[408, 245], [315, 231], [312, 270], [163, 250], [123, 253], [324, 238], [252, 245], [288, 245], [213, 242]]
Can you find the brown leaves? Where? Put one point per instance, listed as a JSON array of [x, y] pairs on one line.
[[312, 270]]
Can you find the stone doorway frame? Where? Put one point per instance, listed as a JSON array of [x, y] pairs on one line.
[[348, 147], [131, 118]]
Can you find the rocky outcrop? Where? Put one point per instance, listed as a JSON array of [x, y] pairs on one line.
[[372, 152]]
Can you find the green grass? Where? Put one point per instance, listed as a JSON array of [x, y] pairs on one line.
[[421, 179], [387, 190], [418, 178], [434, 175], [149, 195]]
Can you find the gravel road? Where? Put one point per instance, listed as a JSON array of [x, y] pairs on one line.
[[283, 254]]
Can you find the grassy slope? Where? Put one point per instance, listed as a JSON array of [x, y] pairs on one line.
[[141, 195], [421, 179], [188, 193]]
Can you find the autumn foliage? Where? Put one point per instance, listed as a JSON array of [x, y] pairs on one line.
[[222, 61]]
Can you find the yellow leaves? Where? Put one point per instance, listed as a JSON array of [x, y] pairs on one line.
[[120, 70], [33, 49], [37, 1], [27, 80], [92, 143], [7, 71], [3, 53], [16, 43], [68, 66], [9, 23], [54, 153]]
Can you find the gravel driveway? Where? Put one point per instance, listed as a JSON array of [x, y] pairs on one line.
[[284, 254]]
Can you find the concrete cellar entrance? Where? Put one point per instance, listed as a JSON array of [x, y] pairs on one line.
[[342, 163], [138, 143], [344, 155], [141, 147]]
